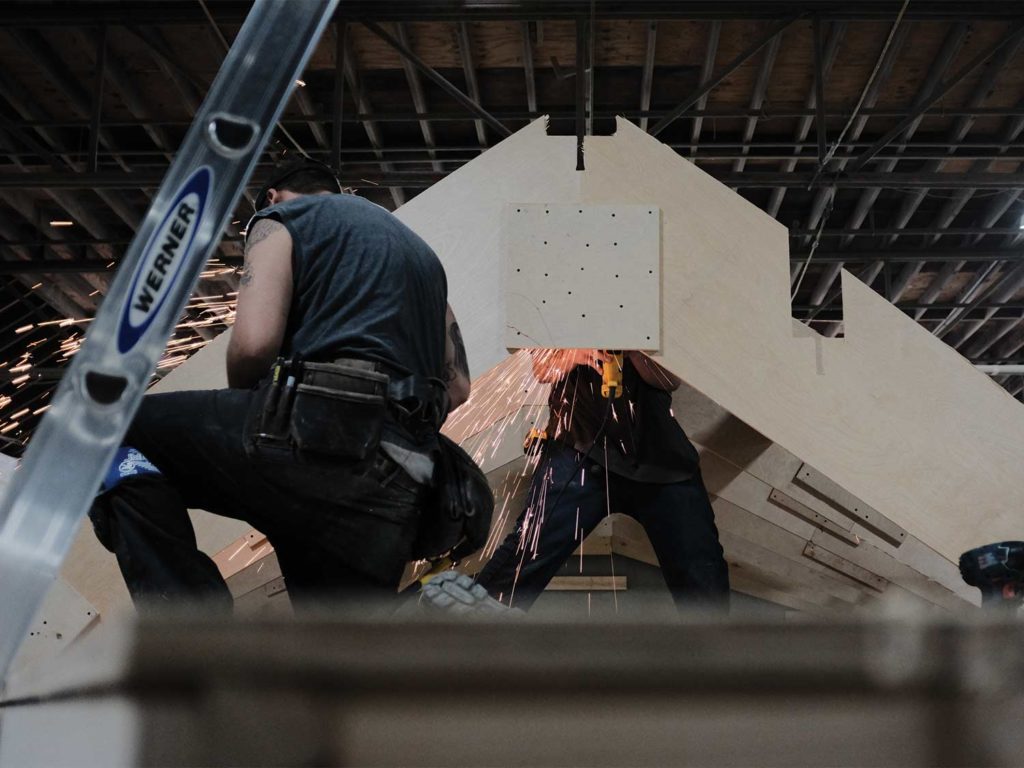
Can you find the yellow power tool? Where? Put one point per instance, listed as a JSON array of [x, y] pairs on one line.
[[611, 375]]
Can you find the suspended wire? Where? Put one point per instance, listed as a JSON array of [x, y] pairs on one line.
[[838, 142], [817, 239], [867, 86]]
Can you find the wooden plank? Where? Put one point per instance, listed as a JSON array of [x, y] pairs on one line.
[[257, 574], [721, 433], [880, 563], [868, 516], [587, 584], [749, 584], [933, 566], [271, 599], [806, 513], [741, 551], [241, 553], [845, 567]]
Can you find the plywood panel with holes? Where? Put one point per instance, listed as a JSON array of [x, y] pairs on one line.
[[582, 276]]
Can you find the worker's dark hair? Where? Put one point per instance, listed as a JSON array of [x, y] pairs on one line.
[[303, 176]]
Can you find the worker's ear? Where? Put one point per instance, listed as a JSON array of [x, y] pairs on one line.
[[273, 196]]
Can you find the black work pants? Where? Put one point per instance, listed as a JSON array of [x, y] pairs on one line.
[[340, 529], [566, 502]]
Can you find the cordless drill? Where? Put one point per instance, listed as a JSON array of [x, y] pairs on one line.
[[611, 375], [998, 571]]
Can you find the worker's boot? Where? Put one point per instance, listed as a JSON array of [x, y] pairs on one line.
[[456, 593]]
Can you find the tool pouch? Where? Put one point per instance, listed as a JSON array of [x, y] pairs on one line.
[[457, 520], [320, 410], [339, 410]]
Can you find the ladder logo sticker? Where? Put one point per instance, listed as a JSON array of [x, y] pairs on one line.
[[165, 256]]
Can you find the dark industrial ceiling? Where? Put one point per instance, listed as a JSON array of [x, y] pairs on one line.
[[920, 198]]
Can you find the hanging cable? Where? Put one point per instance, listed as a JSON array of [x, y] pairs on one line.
[[864, 93], [838, 143]]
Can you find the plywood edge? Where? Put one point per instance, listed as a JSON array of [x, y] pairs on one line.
[[820, 484]]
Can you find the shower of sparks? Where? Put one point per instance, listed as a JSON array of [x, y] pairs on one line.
[[511, 397], [38, 364]]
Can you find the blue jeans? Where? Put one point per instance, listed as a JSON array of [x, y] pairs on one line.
[[568, 501]]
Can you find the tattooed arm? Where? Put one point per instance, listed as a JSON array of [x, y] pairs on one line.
[[456, 364], [264, 299]]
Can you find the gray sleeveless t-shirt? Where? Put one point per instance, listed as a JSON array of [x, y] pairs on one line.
[[365, 286]]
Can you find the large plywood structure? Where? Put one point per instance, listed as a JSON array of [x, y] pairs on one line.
[[842, 470]]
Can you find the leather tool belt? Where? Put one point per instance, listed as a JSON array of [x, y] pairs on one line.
[[338, 409], [326, 410]]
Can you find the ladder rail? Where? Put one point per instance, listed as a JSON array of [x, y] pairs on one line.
[[102, 388]]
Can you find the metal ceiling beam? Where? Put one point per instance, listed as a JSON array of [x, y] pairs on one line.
[[764, 74], [710, 155], [25, 104], [80, 289], [132, 97], [581, 96], [1011, 347], [150, 178], [97, 99], [906, 254], [438, 79], [22, 102], [531, 81], [956, 134], [1005, 329], [942, 89], [1000, 293], [896, 257], [419, 98], [59, 301], [886, 62], [590, 71], [996, 208], [340, 54], [33, 43], [804, 123], [910, 306], [909, 232], [722, 74], [362, 103], [160, 52], [71, 12], [647, 77], [186, 86], [951, 46], [819, 90], [441, 115], [962, 125], [469, 69]]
